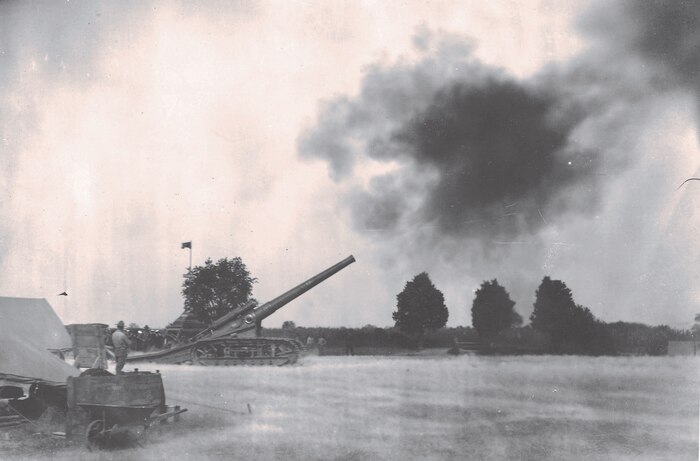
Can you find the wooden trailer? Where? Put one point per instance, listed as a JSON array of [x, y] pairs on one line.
[[105, 409]]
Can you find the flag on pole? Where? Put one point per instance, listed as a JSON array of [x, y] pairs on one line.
[[186, 245]]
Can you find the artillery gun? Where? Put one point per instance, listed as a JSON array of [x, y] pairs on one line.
[[234, 338]]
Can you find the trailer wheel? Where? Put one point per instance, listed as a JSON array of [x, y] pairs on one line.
[[95, 435]]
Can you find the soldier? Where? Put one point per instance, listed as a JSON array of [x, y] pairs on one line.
[[321, 345], [121, 346], [349, 343], [145, 338]]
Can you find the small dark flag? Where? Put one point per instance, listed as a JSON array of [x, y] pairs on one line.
[[186, 245]]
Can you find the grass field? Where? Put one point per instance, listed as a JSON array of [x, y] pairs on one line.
[[423, 408]]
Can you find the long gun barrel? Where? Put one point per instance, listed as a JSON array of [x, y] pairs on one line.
[[249, 316]]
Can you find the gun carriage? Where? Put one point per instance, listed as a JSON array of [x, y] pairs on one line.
[[234, 338]]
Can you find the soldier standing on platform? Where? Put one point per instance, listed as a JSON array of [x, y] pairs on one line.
[[121, 346]]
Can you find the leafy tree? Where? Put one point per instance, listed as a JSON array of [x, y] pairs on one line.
[[571, 328], [215, 289], [554, 305], [288, 325], [492, 310], [420, 307], [588, 335]]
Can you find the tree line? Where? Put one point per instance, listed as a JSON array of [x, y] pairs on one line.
[[628, 339], [557, 324]]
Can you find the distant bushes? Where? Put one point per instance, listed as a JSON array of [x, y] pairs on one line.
[[640, 339], [619, 338], [520, 340], [371, 338]]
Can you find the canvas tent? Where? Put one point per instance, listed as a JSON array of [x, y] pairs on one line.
[[30, 329]]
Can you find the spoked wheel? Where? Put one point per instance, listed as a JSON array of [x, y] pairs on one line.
[[96, 435], [144, 434], [203, 352]]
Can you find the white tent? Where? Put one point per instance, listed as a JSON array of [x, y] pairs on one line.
[[30, 329]]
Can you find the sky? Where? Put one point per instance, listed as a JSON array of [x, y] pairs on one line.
[[470, 140]]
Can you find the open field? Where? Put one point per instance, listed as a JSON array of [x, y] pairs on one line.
[[422, 408]]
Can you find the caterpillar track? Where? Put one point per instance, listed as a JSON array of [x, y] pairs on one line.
[[246, 351], [232, 340]]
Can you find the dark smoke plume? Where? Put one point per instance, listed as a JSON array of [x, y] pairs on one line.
[[662, 33], [501, 155], [480, 154]]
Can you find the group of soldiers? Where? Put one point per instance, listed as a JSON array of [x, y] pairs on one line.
[[320, 344], [124, 340]]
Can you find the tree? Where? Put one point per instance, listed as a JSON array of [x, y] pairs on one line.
[[288, 325], [215, 289], [554, 305], [571, 328], [588, 335], [420, 307], [492, 310]]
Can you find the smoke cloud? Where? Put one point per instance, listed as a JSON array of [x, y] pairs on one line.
[[496, 176], [501, 155], [661, 33], [479, 153]]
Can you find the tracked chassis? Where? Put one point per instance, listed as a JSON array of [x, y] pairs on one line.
[[246, 351], [228, 351], [233, 339]]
